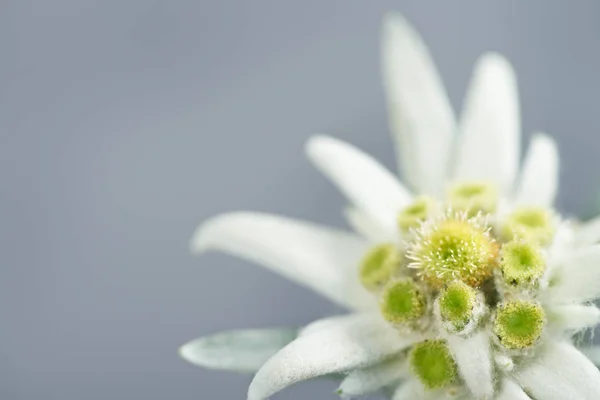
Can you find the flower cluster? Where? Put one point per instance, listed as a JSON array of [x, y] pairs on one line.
[[464, 282]]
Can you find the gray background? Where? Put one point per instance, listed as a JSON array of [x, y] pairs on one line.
[[125, 123]]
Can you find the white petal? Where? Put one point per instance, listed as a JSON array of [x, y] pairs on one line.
[[336, 349], [413, 390], [320, 258], [366, 227], [242, 350], [589, 232], [408, 391], [539, 178], [336, 321], [592, 353], [489, 142], [368, 380], [421, 117], [560, 372], [573, 317], [474, 360], [509, 390], [367, 184], [578, 280]]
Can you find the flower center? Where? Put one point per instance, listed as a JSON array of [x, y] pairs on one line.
[[413, 215], [402, 302], [473, 197], [519, 324], [454, 248], [378, 265], [522, 263], [532, 223], [456, 304], [432, 363]]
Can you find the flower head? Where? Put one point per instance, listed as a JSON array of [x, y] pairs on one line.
[[464, 279]]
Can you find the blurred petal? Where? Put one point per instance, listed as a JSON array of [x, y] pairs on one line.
[[539, 177], [578, 280], [589, 232], [337, 349], [421, 118], [320, 258], [474, 360], [509, 390], [573, 317], [408, 391], [368, 380], [366, 183], [366, 227], [241, 350], [592, 353], [490, 136], [560, 372]]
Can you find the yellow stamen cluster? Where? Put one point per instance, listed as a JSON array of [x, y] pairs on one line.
[[379, 265], [413, 215], [402, 302], [473, 197], [433, 364], [531, 223], [454, 247], [461, 267]]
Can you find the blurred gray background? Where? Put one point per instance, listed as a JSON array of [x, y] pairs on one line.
[[123, 124]]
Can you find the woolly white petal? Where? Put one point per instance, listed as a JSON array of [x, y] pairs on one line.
[[539, 178], [408, 391], [578, 280], [241, 350], [337, 349], [509, 390], [336, 321], [321, 258], [589, 232], [368, 380], [474, 360], [489, 142], [573, 317], [421, 117], [560, 372], [366, 227], [367, 184]]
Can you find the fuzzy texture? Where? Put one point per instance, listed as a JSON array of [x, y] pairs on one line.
[[368, 380], [360, 343]]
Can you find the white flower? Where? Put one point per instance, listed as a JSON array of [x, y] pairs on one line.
[[464, 282]]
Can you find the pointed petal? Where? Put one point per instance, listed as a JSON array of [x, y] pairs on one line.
[[509, 390], [421, 117], [241, 350], [368, 380], [320, 258], [573, 317], [337, 349], [366, 226], [366, 183], [539, 178], [474, 360], [578, 280], [490, 135], [560, 372]]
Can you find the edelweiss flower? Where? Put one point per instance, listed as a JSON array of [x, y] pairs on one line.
[[468, 285]]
